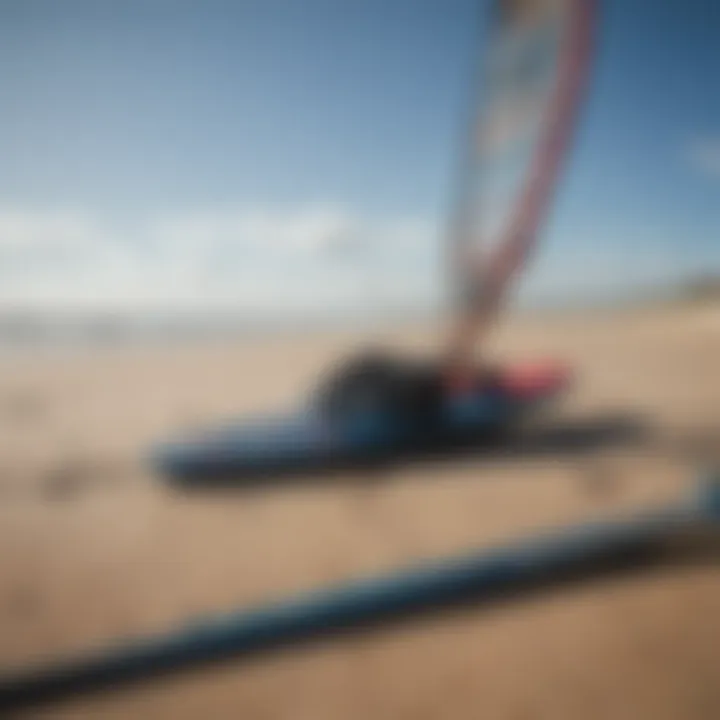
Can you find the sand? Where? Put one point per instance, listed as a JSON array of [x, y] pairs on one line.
[[93, 547]]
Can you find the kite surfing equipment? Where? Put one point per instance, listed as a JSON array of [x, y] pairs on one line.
[[372, 409], [493, 574], [533, 71]]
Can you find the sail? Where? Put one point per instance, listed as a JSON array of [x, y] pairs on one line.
[[533, 70]]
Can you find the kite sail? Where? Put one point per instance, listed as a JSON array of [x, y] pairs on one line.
[[533, 70]]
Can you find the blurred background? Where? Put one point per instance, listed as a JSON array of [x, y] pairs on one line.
[[218, 174], [295, 161]]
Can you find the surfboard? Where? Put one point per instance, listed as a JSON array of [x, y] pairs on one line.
[[305, 439]]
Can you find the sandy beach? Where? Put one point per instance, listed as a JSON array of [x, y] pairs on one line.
[[94, 547]]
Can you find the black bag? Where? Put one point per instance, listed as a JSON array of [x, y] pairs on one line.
[[399, 390]]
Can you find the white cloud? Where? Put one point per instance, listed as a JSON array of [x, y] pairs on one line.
[[290, 259], [703, 155], [311, 229], [23, 227], [244, 257], [54, 245]]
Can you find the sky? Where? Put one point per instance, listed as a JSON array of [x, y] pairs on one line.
[[289, 157]]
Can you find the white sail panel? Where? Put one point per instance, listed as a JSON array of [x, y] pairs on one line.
[[535, 62]]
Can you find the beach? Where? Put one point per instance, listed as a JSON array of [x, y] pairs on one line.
[[94, 546]]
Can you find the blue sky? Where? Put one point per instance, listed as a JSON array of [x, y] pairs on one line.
[[184, 153]]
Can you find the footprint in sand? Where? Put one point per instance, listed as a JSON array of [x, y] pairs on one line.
[[71, 477], [21, 601], [65, 481]]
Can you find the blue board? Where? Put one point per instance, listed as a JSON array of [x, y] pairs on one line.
[[491, 574], [305, 440]]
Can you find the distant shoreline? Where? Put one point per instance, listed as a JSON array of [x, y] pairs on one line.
[[32, 328]]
